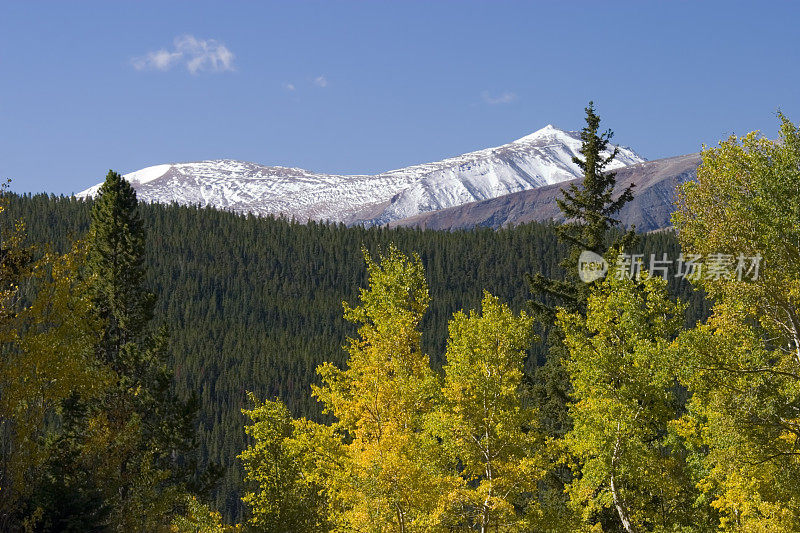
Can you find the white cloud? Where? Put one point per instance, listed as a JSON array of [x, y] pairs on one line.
[[505, 98], [289, 87], [321, 81], [159, 60], [197, 55]]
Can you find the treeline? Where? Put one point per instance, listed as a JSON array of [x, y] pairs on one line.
[[637, 421], [482, 385], [255, 304]]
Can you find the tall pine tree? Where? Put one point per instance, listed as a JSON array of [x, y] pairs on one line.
[[590, 209], [116, 264], [137, 440]]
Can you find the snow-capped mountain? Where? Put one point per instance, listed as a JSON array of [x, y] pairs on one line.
[[542, 158], [654, 194]]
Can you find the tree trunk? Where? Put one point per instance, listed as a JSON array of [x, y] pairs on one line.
[[618, 501]]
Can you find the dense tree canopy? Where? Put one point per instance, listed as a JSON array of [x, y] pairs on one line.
[[432, 417], [744, 363], [255, 303]]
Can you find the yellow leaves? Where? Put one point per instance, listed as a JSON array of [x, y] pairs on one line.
[[742, 365], [744, 202], [691, 429], [390, 462], [199, 518], [742, 508], [381, 400], [53, 355], [751, 490], [47, 348]]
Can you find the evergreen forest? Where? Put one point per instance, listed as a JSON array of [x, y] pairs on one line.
[[255, 304], [176, 368]]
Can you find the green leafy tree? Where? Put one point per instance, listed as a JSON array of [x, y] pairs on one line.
[[743, 365], [623, 374], [47, 338], [282, 497], [483, 421]]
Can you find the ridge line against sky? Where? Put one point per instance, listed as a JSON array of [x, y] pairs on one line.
[[362, 87]]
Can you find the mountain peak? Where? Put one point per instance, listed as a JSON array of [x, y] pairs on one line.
[[543, 133], [542, 158]]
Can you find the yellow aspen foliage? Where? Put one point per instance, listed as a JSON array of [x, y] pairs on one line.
[[390, 478], [743, 365], [484, 423], [47, 337]]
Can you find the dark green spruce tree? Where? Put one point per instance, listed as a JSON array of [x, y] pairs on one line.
[[116, 264], [133, 451], [590, 209]]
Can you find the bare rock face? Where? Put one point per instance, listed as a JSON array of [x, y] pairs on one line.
[[655, 184], [537, 160]]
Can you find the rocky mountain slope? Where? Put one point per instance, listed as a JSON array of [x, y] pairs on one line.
[[540, 159], [654, 193]]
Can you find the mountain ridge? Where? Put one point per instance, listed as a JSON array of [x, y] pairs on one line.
[[654, 183], [541, 158]]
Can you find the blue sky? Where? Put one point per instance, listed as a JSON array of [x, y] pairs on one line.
[[361, 87]]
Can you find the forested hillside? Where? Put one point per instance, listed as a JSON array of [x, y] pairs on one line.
[[255, 304]]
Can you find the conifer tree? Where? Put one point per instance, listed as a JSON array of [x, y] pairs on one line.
[[138, 439], [589, 210], [116, 264]]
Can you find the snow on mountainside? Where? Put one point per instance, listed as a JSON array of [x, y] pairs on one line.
[[542, 158]]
